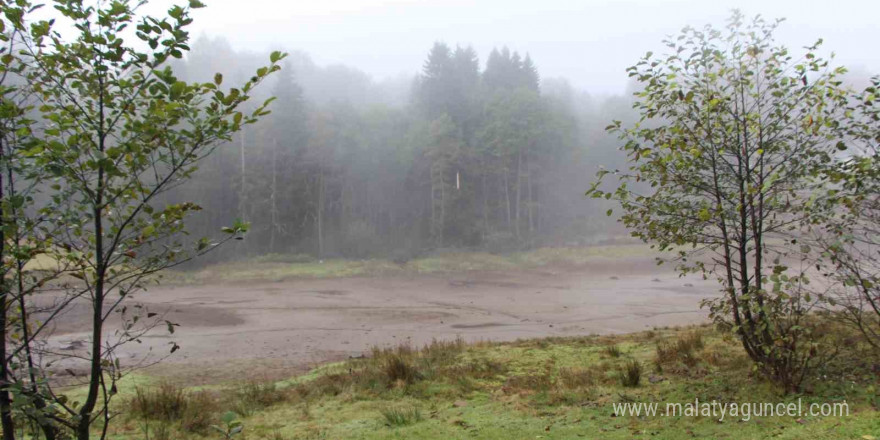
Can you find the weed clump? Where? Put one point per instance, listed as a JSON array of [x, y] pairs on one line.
[[612, 350], [574, 378], [683, 350], [398, 370], [631, 374], [401, 417], [168, 403], [253, 396]]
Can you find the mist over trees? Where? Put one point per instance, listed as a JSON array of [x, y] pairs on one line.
[[464, 155]]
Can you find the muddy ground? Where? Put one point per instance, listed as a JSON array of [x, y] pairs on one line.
[[270, 330]]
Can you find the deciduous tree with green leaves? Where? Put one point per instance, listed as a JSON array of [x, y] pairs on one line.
[[724, 169], [118, 130], [849, 238]]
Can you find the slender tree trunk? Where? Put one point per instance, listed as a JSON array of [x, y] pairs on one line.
[[485, 204], [95, 375], [530, 202], [320, 216], [46, 425], [518, 184], [6, 421], [50, 432], [438, 203], [442, 209], [272, 196], [434, 209], [507, 197], [345, 195], [243, 183]]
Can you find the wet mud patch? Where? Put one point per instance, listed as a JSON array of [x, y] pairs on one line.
[[478, 325], [389, 315], [77, 318], [328, 292], [479, 283]]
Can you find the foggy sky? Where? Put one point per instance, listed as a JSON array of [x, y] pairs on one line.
[[588, 42]]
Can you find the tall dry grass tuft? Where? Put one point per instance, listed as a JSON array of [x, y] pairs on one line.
[[630, 375]]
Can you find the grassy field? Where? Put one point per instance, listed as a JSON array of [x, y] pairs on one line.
[[534, 389], [280, 267]]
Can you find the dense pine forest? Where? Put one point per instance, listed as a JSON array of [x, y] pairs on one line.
[[466, 155]]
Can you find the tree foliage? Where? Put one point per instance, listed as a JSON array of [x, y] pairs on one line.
[[116, 129], [725, 166], [848, 239]]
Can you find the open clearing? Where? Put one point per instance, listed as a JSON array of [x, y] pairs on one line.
[[261, 339], [237, 330]]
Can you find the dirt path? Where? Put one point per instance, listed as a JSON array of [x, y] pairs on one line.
[[278, 329]]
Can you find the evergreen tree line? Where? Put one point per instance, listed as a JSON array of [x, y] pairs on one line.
[[471, 157]]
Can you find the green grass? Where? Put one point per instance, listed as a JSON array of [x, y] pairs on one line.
[[554, 388], [281, 267]]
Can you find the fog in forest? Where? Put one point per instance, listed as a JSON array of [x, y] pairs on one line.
[[438, 219], [474, 152], [470, 146]]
